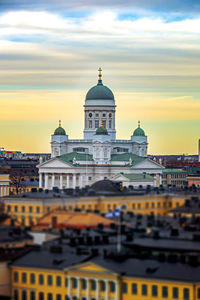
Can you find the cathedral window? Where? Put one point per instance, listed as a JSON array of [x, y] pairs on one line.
[[104, 123], [96, 123]]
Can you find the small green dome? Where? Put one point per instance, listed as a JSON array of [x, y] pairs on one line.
[[59, 130], [139, 131], [102, 130]]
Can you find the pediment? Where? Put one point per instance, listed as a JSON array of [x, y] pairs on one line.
[[148, 164], [89, 267], [55, 163]]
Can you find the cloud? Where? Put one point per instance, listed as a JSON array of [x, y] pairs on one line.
[[175, 6]]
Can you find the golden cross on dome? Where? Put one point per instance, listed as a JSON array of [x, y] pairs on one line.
[[138, 124], [59, 123], [100, 70]]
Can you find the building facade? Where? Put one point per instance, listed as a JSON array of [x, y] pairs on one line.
[[99, 155]]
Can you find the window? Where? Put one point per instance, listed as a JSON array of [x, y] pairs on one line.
[[32, 278], [104, 123], [104, 115], [139, 206], [41, 296], [102, 286], [58, 281], [16, 295], [49, 296], [16, 208], [154, 291], [83, 284], [66, 282], [24, 295], [93, 285], [30, 209], [32, 295], [37, 209], [198, 293], [23, 208], [49, 280], [124, 288], [152, 204], [90, 124], [58, 297], [134, 289], [24, 277], [96, 115], [186, 294], [41, 279], [175, 292], [144, 289], [16, 277], [110, 115], [9, 208], [96, 123], [133, 206], [112, 287], [165, 292], [110, 123], [74, 283], [147, 205]]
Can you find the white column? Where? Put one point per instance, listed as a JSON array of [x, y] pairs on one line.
[[80, 181], [86, 179], [0, 191], [40, 180], [97, 289], [67, 181], [88, 289], [53, 181], [160, 179], [78, 287], [107, 286], [61, 181], [46, 181], [5, 191], [116, 290], [74, 181], [69, 287]]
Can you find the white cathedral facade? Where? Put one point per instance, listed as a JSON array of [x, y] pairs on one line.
[[99, 155]]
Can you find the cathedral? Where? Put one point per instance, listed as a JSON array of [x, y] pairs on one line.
[[99, 155]]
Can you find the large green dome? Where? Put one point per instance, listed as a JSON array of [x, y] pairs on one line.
[[99, 94], [138, 131], [59, 130]]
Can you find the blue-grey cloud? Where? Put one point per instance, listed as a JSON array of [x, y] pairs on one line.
[[175, 6]]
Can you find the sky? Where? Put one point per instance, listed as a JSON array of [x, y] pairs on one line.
[[149, 51]]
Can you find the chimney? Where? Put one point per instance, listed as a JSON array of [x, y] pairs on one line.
[[54, 222]]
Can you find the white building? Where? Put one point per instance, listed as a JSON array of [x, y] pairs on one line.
[[99, 154]]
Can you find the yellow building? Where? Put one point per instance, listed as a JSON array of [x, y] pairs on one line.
[[102, 280], [4, 185], [29, 209]]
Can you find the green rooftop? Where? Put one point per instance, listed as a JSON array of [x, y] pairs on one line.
[[69, 157], [126, 157], [174, 171], [142, 176]]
